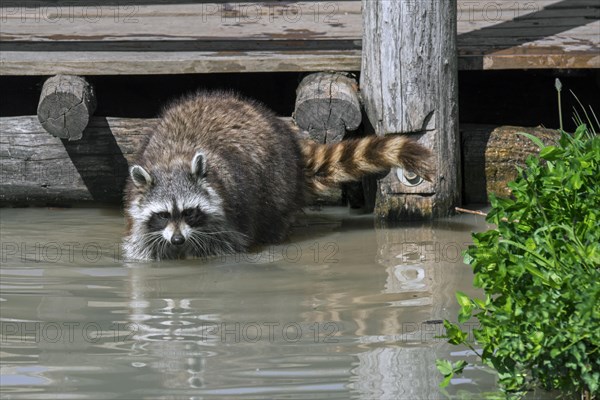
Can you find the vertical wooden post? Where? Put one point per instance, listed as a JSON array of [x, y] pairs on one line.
[[409, 83]]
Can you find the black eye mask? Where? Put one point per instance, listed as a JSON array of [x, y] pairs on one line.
[[194, 217]]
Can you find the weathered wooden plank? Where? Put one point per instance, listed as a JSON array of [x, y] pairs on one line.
[[254, 21], [250, 21], [562, 23], [523, 5], [549, 60], [516, 36], [95, 3], [299, 20], [471, 4], [494, 15], [50, 37], [155, 63]]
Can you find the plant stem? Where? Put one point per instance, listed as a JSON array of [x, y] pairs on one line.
[[558, 86]]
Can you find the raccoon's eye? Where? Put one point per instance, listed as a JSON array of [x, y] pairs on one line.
[[193, 216], [164, 215]]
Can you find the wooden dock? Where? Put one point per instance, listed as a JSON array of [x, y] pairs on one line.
[[176, 37]]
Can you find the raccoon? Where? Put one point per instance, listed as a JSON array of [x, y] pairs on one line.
[[220, 173]]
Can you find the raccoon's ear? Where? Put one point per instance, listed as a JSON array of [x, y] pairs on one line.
[[140, 177], [199, 165]]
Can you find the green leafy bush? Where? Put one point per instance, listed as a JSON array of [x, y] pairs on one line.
[[539, 325]]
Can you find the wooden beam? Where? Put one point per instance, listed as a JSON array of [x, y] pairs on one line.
[[173, 22], [291, 36], [169, 62], [409, 84]]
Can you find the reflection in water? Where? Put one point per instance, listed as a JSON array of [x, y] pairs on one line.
[[169, 331], [416, 275], [341, 311], [221, 333]]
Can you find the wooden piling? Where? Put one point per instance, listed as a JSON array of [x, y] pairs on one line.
[[409, 84]]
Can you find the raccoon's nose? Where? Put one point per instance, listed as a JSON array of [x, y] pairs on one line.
[[177, 239]]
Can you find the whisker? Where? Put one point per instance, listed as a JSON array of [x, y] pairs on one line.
[[215, 242], [220, 232], [197, 243]]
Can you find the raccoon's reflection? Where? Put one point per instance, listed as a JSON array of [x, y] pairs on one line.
[[172, 335]]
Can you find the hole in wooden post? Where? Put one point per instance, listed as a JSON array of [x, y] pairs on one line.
[[408, 178]]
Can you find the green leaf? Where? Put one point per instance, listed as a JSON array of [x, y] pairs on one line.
[[550, 153], [538, 257], [537, 337], [467, 258], [534, 139], [454, 334], [581, 131], [576, 181], [446, 381], [444, 366], [480, 303], [463, 299], [465, 314], [530, 244], [459, 366]]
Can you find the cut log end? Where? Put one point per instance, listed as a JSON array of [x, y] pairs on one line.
[[66, 104], [327, 105]]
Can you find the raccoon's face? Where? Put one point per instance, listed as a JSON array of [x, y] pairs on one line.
[[177, 213], [176, 225]]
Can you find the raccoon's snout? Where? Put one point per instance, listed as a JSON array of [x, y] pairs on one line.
[[177, 239]]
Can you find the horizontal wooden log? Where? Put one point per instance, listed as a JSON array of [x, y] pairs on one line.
[[66, 104], [36, 168], [491, 155]]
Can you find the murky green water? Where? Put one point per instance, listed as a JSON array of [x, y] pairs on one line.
[[341, 311]]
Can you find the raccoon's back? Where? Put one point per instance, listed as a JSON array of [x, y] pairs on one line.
[[217, 122]]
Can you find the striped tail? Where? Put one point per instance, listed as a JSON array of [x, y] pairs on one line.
[[327, 165]]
